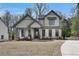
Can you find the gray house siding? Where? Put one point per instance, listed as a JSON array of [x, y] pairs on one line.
[[3, 32]]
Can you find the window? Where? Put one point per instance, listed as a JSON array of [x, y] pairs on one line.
[[22, 32], [2, 36], [57, 33], [43, 33], [51, 20], [50, 33]]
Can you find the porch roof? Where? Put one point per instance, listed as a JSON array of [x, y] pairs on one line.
[[51, 27]]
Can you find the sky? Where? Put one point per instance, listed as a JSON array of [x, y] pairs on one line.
[[19, 8]]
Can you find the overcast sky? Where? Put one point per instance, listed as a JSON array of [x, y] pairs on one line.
[[18, 8]]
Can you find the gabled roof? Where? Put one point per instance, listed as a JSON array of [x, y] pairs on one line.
[[34, 19], [21, 19], [24, 18], [52, 12]]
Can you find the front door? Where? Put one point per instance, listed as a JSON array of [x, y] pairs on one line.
[[36, 33]]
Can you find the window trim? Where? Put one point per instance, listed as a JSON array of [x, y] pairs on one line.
[[50, 18]]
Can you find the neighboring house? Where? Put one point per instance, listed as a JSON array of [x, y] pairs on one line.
[[3, 31], [46, 27]]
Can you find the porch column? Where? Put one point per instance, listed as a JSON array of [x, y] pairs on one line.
[[26, 32], [60, 32], [32, 33], [46, 33], [19, 33], [40, 33], [53, 33]]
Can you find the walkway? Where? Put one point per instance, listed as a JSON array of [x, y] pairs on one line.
[[70, 48]]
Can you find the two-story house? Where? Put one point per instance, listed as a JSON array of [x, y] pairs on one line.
[[46, 27]]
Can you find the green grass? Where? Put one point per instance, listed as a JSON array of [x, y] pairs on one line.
[[30, 48]]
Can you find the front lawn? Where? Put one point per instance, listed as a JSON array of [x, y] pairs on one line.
[[25, 48]]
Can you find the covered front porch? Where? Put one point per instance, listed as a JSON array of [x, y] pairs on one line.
[[33, 33], [38, 33]]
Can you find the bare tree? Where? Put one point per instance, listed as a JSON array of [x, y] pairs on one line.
[[28, 11], [40, 9], [6, 19]]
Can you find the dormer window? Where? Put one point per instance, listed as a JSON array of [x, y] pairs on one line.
[[51, 20]]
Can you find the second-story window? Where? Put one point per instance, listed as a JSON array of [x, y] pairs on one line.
[[51, 20]]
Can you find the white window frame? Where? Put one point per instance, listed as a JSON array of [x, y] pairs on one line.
[[51, 21]]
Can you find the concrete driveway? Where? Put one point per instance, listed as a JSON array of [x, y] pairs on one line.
[[70, 48]]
